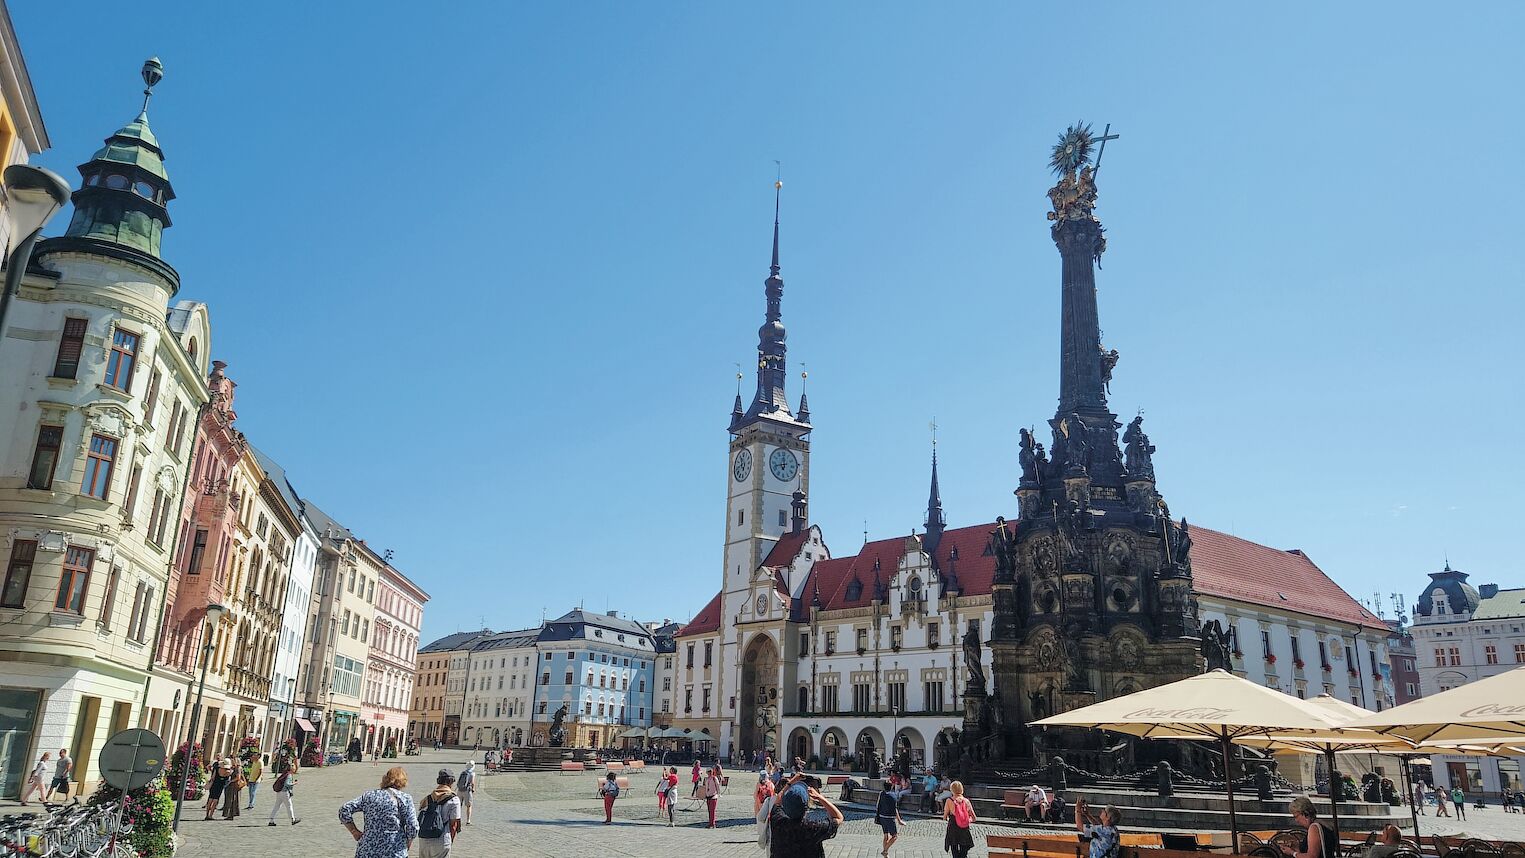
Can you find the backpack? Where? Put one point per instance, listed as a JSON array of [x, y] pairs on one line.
[[611, 789], [963, 814], [431, 822], [280, 782]]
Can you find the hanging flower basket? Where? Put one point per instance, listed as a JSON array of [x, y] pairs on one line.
[[1270, 658], [248, 749], [174, 771], [1298, 664]]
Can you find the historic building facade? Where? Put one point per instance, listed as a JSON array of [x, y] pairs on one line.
[[390, 670], [1463, 633], [500, 689], [596, 671], [439, 691], [93, 450]]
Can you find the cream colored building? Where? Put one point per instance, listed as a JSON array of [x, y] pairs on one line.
[[333, 684], [93, 448], [390, 671]]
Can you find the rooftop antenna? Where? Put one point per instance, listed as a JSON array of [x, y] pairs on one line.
[[865, 531]]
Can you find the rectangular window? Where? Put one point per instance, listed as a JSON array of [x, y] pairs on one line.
[[1323, 655], [895, 637], [897, 696], [138, 609], [739, 516], [181, 416], [75, 581], [545, 678], [1519, 653], [162, 510], [139, 630], [151, 399], [829, 699], [861, 697], [131, 506], [688, 700], [934, 694], [1454, 655], [18, 573], [783, 519], [123, 357], [1297, 652], [97, 482], [70, 345], [831, 642], [804, 643], [862, 640], [932, 635], [568, 679], [706, 698], [1440, 657], [45, 457], [1265, 643], [709, 651], [1491, 654], [198, 552]]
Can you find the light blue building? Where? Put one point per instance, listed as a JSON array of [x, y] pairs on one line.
[[601, 668]]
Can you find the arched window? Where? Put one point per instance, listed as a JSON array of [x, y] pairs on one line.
[[190, 349]]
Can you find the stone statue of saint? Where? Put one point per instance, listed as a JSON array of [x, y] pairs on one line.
[[972, 662], [1183, 544], [1139, 452], [1077, 444], [1037, 704], [1028, 459], [1108, 363], [1215, 646]]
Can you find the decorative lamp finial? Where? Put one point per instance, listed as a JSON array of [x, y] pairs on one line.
[[153, 72]]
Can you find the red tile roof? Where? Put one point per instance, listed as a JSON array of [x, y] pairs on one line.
[[707, 620], [786, 549], [1235, 568]]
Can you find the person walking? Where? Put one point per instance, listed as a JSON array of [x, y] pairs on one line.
[[694, 776], [712, 784], [670, 782], [1459, 801], [285, 783], [62, 771], [37, 780], [466, 788], [234, 791], [959, 813], [252, 774], [1440, 802], [763, 792], [439, 818], [887, 814], [390, 824], [609, 790], [1418, 797], [216, 786]]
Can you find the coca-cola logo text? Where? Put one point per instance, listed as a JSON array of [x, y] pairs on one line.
[[1493, 709], [1201, 713]]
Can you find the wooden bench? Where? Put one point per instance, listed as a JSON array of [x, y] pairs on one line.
[[614, 767], [836, 780], [1013, 799], [571, 766], [1148, 841], [1007, 846], [622, 781]]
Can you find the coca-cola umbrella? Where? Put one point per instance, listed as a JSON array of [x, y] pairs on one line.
[[1490, 710], [1216, 705]]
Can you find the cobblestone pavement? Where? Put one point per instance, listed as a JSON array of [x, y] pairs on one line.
[[560, 815], [534, 815]]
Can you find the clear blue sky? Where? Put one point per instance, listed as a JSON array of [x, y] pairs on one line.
[[483, 270]]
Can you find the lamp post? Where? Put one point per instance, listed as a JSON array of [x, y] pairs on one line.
[[214, 615], [32, 196]]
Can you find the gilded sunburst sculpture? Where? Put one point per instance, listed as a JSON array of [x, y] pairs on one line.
[[1073, 150]]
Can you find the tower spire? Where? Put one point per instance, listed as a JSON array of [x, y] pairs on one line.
[[936, 521], [771, 399]]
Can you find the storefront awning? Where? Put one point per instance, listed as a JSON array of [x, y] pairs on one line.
[[306, 725]]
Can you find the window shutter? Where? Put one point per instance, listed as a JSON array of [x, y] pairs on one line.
[[69, 348]]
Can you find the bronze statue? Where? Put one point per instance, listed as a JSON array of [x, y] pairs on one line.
[[1183, 544], [1139, 453], [972, 662], [558, 732]]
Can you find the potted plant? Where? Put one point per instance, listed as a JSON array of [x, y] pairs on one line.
[[149, 810], [1298, 663], [1270, 658], [311, 756]]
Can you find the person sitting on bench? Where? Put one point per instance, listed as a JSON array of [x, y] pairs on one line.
[[1058, 812], [1392, 841], [1036, 803]]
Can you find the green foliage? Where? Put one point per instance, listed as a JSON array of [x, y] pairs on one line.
[[150, 810]]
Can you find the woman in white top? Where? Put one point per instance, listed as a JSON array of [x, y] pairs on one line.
[[37, 781]]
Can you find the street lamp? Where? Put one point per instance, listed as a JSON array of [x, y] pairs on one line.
[[214, 615], [32, 196]]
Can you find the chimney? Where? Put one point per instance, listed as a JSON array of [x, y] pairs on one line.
[[614, 614], [1488, 591]]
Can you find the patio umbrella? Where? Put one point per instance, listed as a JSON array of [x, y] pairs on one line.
[[1488, 710], [1216, 705]]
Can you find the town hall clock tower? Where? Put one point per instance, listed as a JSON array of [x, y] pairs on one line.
[[767, 481]]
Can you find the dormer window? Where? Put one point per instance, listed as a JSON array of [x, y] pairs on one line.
[[854, 589]]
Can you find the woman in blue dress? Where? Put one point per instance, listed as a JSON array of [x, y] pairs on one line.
[[390, 825]]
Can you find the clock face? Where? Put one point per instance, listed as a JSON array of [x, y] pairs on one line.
[[762, 603], [783, 465], [742, 467]]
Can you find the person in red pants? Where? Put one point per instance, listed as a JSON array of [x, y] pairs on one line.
[[712, 791], [610, 790]]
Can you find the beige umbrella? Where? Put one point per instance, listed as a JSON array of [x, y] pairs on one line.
[[1488, 710], [1216, 705]]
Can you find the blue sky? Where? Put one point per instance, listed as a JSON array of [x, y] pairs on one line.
[[483, 274]]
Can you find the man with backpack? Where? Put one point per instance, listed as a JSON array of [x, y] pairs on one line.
[[439, 818], [466, 787]]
